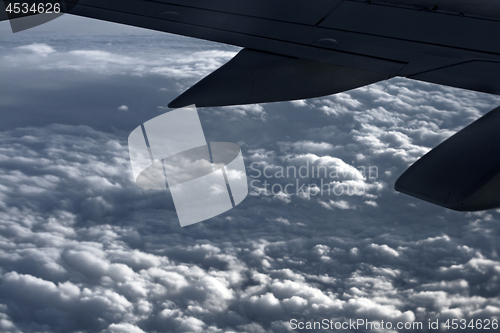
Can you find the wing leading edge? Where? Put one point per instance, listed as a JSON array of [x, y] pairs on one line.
[[257, 77]]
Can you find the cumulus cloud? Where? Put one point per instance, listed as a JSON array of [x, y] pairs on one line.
[[306, 146], [180, 66], [236, 112], [38, 49]]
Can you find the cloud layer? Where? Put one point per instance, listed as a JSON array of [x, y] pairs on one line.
[[82, 249]]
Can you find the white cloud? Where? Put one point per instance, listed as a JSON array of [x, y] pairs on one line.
[[341, 204], [236, 112], [306, 146], [39, 49], [192, 66], [123, 328], [299, 103]]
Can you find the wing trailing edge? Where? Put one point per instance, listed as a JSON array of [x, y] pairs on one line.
[[260, 77], [463, 172]]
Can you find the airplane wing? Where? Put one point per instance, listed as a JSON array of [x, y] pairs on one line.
[[453, 43], [462, 173], [294, 49]]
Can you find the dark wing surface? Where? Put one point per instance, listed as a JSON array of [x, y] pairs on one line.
[[454, 43]]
